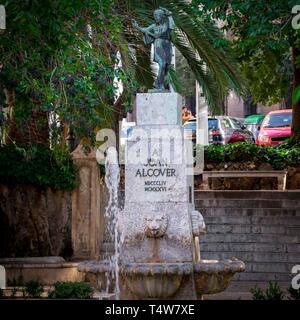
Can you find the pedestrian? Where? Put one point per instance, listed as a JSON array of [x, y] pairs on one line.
[[186, 114]]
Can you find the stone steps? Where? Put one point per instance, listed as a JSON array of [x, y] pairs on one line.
[[261, 276], [247, 203], [250, 238], [258, 212], [262, 257], [262, 228], [236, 248], [255, 229], [242, 220], [249, 194], [238, 290], [236, 286]]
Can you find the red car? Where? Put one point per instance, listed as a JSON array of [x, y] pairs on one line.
[[275, 128]]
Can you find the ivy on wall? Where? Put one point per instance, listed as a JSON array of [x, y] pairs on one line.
[[37, 165]]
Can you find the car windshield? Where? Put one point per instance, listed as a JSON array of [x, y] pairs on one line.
[[226, 123], [278, 120]]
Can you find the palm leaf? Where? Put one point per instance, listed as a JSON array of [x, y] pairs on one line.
[[173, 80], [214, 67]]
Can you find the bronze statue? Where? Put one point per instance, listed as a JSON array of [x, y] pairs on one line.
[[159, 34]]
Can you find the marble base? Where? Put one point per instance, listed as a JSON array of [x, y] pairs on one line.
[[159, 108]]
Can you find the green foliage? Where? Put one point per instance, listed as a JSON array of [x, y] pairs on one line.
[[1, 293], [257, 293], [60, 57], [262, 40], [273, 292], [33, 289], [37, 165], [71, 290], [279, 157], [296, 95], [294, 293]]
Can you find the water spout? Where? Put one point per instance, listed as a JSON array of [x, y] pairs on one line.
[[112, 179]]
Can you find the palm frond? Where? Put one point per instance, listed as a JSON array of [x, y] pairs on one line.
[[173, 80], [214, 66]]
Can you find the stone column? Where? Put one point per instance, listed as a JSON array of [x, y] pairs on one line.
[[2, 278], [87, 218]]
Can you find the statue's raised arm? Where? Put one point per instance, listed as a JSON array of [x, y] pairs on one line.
[[146, 31], [159, 34]]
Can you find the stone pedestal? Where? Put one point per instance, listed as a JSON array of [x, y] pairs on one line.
[[158, 109], [87, 220], [156, 221]]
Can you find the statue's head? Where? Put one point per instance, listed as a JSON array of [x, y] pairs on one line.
[[159, 15]]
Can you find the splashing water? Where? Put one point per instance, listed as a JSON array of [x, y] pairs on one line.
[[112, 179]]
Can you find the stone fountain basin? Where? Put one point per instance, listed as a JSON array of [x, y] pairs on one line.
[[95, 266], [213, 276], [155, 280], [99, 273]]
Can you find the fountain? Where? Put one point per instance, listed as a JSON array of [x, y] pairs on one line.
[[156, 234]]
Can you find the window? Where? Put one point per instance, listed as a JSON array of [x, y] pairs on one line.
[[277, 120]]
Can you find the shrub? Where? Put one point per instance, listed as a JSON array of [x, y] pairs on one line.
[[33, 289], [279, 157], [1, 293], [71, 290], [257, 293], [273, 292]]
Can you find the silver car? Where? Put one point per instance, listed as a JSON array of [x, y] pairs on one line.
[[221, 130]]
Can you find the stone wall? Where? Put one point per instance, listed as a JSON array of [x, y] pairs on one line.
[[262, 228], [44, 222], [34, 222]]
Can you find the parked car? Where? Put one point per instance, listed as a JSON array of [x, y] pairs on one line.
[[224, 130], [253, 123], [221, 130], [275, 128]]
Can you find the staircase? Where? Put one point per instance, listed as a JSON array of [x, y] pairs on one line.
[[262, 228]]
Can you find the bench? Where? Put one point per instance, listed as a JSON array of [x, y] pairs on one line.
[[280, 175]]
